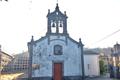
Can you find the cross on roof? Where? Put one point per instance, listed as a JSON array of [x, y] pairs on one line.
[[57, 1]]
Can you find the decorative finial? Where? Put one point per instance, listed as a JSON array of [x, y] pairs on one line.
[[79, 39], [65, 12], [57, 7], [48, 10], [32, 39], [80, 42]]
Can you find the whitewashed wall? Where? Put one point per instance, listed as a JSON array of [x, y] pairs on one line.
[[43, 55], [93, 62]]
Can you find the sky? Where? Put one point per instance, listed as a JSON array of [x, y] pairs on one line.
[[90, 20]]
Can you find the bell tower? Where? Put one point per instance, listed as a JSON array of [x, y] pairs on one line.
[[56, 22]]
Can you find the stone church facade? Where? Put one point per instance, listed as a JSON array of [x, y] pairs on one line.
[[56, 56]]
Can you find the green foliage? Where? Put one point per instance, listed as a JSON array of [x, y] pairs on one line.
[[102, 67]]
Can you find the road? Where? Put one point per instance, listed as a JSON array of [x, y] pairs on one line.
[[105, 77], [99, 78]]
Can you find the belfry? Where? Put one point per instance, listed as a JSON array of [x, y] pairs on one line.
[[57, 20]]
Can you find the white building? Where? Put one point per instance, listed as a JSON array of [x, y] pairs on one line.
[[91, 64], [56, 56]]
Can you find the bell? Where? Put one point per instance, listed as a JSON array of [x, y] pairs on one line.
[[60, 24], [53, 25]]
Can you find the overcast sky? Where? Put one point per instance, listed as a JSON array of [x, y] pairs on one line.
[[90, 20]]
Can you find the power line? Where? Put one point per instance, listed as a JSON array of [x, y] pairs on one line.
[[107, 36], [4, 0]]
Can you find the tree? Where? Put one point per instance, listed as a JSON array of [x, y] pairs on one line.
[[102, 67]]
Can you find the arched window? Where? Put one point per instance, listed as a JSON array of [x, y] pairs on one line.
[[58, 50]]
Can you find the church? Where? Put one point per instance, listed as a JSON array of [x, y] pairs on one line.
[[56, 56]]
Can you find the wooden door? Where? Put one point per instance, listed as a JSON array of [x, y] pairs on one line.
[[57, 75]]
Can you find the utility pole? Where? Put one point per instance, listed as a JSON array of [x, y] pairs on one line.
[[0, 63]]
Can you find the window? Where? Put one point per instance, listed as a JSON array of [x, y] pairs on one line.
[[58, 50]]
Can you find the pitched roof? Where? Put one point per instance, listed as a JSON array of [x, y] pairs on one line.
[[90, 52], [6, 54], [42, 38]]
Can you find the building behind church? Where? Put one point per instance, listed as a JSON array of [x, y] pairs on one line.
[[115, 62], [5, 59], [91, 63]]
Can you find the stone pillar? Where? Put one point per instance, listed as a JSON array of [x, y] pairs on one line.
[[82, 58], [30, 50]]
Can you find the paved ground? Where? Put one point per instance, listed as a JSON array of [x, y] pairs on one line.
[[105, 77], [99, 78]]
